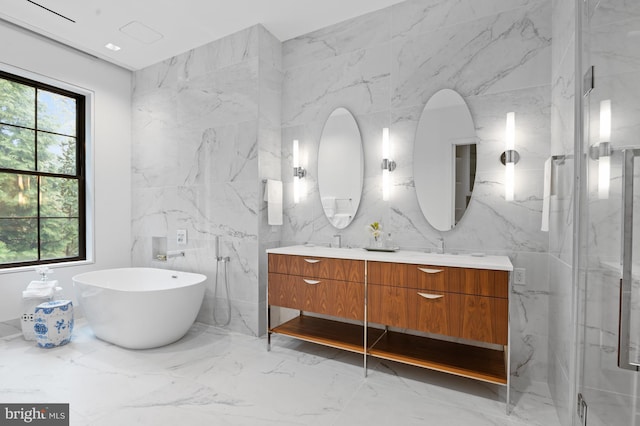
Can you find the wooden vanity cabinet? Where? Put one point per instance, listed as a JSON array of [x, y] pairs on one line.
[[322, 296], [320, 285], [390, 305], [456, 303], [317, 267]]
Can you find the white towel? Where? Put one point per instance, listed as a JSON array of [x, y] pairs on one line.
[[329, 205], [273, 197], [546, 195]]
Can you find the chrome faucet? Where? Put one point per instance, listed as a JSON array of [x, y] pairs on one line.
[[171, 254], [441, 245], [337, 241]]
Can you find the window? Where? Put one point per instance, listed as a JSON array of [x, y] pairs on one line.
[[42, 182]]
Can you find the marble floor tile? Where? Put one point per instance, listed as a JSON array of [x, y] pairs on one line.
[[216, 377], [9, 328]]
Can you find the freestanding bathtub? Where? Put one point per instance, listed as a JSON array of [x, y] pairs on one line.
[[139, 308]]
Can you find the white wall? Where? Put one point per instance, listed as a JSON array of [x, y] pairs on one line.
[[111, 146]]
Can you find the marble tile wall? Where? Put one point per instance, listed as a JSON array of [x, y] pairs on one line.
[[383, 67], [206, 130]]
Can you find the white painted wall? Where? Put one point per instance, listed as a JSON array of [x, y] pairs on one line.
[[110, 145]]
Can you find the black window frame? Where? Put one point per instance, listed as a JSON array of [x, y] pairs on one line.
[[79, 176]]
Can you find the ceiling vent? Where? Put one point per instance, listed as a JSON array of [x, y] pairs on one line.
[[51, 11], [141, 32]]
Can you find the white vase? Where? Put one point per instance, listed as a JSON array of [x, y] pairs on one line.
[[376, 242]]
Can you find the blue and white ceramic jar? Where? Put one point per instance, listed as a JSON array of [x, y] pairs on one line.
[[53, 323]]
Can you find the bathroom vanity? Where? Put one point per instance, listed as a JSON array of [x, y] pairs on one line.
[[443, 312]]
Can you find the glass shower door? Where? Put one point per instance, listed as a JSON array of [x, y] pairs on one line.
[[609, 252]]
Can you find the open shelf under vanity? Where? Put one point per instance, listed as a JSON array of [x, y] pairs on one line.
[[464, 360], [449, 314]]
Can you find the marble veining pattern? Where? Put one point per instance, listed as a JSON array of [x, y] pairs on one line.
[[497, 55], [419, 16], [457, 57], [212, 376], [206, 128]]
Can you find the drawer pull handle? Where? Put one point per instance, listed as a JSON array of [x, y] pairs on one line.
[[431, 296], [311, 281], [312, 260], [430, 271]]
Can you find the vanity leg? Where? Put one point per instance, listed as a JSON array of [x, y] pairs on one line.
[[365, 345], [365, 351], [268, 328], [507, 357]]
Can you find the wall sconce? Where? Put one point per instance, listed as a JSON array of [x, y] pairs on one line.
[[510, 157], [388, 165], [604, 150], [298, 172]]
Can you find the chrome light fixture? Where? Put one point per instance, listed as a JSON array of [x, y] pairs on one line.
[[298, 172], [604, 150], [388, 165], [510, 157]]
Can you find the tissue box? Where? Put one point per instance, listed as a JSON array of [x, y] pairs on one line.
[[53, 323]]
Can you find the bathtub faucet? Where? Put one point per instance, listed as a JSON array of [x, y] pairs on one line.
[[175, 254]]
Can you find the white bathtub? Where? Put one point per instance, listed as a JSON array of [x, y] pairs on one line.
[[140, 308]]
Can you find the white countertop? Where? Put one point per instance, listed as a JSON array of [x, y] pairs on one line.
[[499, 263]]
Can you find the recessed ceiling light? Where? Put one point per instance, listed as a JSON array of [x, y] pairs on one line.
[[112, 46]]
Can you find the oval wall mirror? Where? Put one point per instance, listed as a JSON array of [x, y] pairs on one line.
[[444, 160], [340, 168]]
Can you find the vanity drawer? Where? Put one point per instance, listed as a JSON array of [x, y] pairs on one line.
[[435, 312], [480, 318], [472, 317], [411, 308], [323, 296], [390, 306], [485, 319], [317, 267], [483, 282], [408, 275]]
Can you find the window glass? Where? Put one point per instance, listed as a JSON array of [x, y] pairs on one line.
[[58, 197], [56, 153], [19, 196], [19, 241], [56, 113], [58, 238], [17, 148], [17, 104], [42, 191]]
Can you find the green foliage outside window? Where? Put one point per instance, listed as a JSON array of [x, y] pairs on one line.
[[41, 189]]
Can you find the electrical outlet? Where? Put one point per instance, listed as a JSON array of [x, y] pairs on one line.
[[181, 237], [519, 276]]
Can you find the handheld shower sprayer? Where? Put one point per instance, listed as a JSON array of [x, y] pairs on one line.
[[225, 260]]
